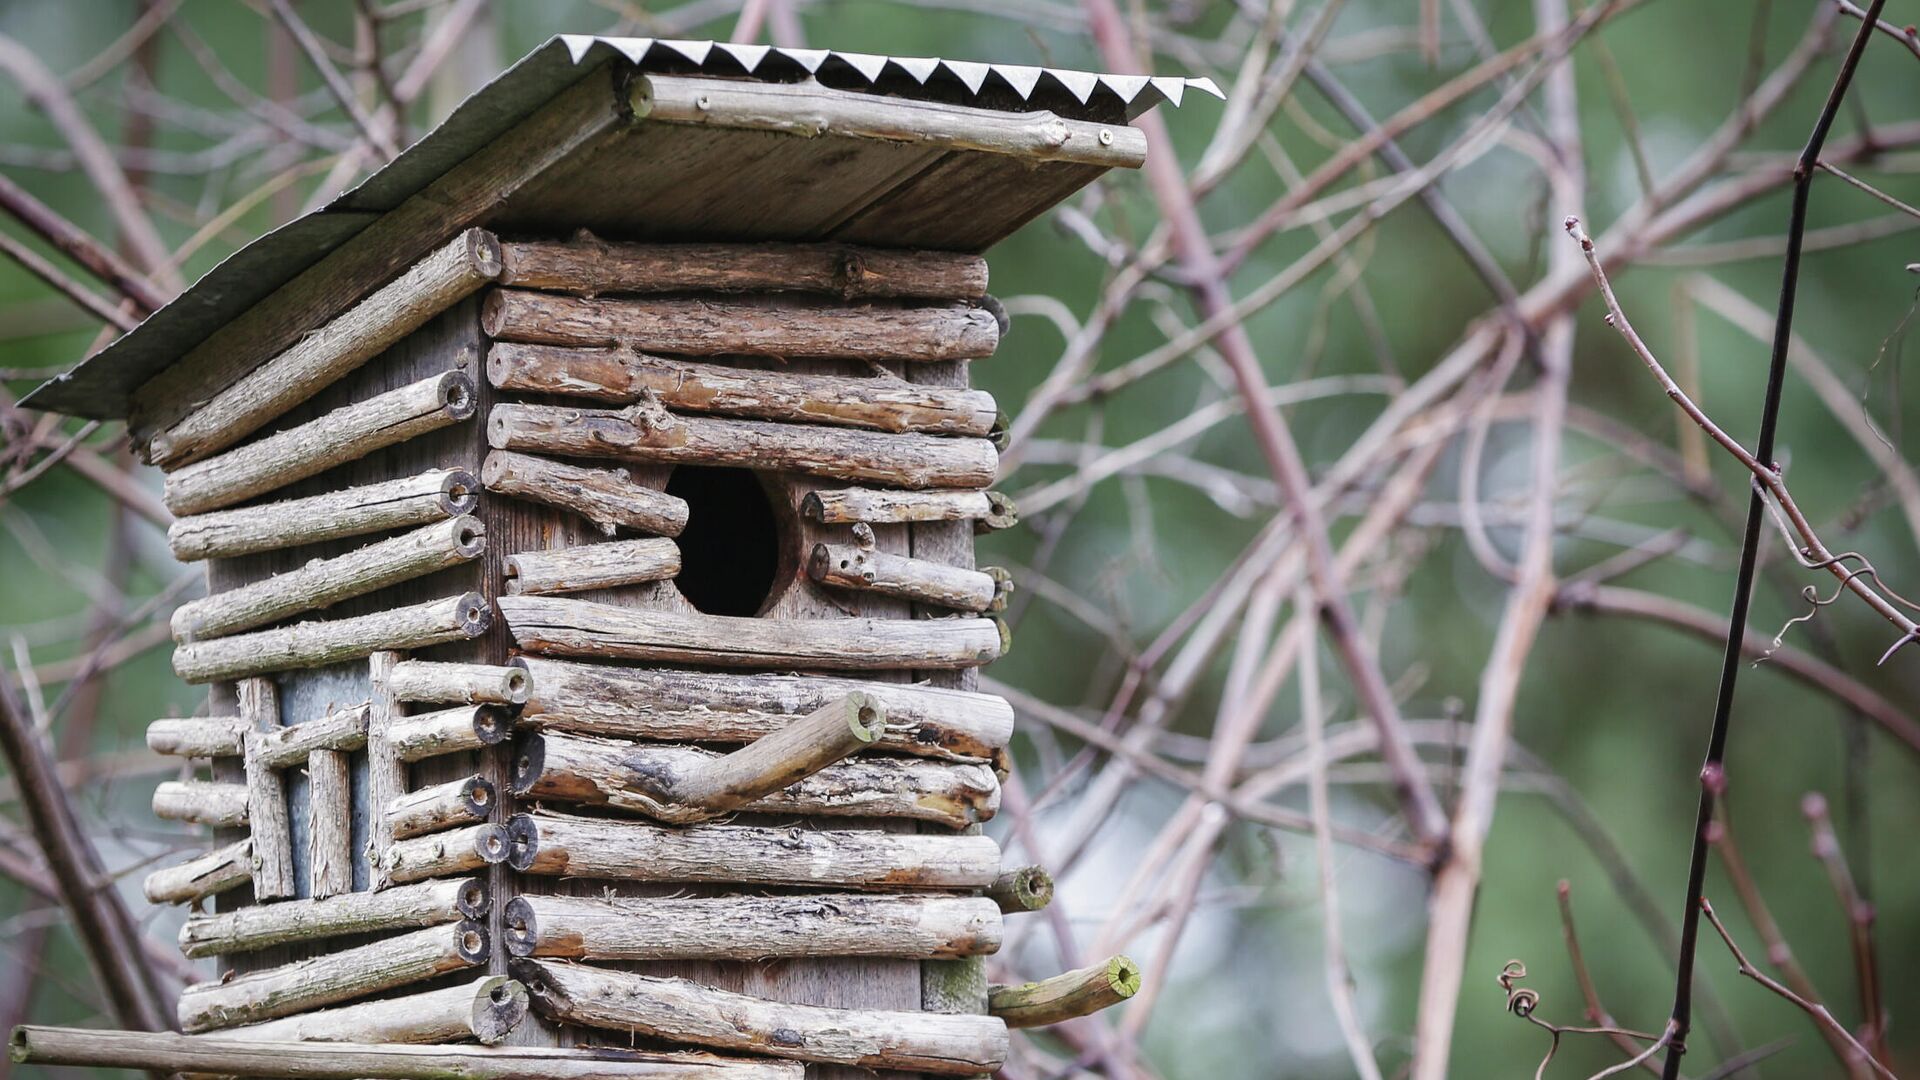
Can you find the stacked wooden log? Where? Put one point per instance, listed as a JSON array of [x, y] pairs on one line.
[[831, 745]]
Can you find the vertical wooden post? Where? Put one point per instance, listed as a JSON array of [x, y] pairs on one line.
[[329, 824], [386, 773], [267, 815]]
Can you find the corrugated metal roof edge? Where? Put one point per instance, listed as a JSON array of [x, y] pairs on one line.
[[101, 385]]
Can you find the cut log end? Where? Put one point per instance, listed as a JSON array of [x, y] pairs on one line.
[[499, 1009], [522, 928], [1025, 888], [520, 842], [1067, 996]]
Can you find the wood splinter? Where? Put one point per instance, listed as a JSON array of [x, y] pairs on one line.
[[485, 1010], [862, 566], [1065, 997], [608, 498], [429, 681], [686, 1012], [1024, 888], [592, 566], [440, 806]]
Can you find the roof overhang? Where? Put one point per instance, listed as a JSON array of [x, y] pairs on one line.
[[795, 145]]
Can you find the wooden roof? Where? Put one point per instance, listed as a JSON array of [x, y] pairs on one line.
[[647, 139]]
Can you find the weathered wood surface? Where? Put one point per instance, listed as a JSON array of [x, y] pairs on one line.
[[263, 926], [485, 1010], [456, 851], [211, 803], [592, 566], [705, 326], [647, 433], [332, 978], [329, 823], [641, 778], [569, 846], [342, 730], [198, 736], [449, 731], [325, 582], [316, 644], [594, 110], [590, 266], [861, 566], [440, 806], [879, 506], [386, 772], [1022, 888], [881, 403], [1065, 997], [811, 110], [268, 818], [751, 927], [434, 495], [204, 1055], [323, 355], [608, 498], [349, 432], [722, 707], [218, 870], [560, 626], [686, 1012], [435, 682]]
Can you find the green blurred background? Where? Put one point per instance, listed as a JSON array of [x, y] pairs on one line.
[[1618, 709]]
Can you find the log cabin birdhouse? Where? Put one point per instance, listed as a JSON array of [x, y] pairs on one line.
[[588, 503]]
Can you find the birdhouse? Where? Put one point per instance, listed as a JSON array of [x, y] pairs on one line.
[[588, 503]]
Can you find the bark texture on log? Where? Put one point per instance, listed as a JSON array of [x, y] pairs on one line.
[[699, 786], [217, 871], [485, 1010], [466, 684], [988, 510], [263, 926], [712, 327], [648, 434], [335, 977], [221, 1056], [268, 818], [342, 730], [316, 644], [880, 403], [329, 352], [329, 823], [608, 498], [199, 736], [386, 772], [457, 851], [434, 495], [440, 806], [211, 803], [568, 846], [325, 582], [851, 566], [687, 1012], [590, 266], [722, 707], [1023, 888], [558, 626], [1065, 997], [811, 110], [592, 566], [449, 731], [751, 927], [345, 434], [638, 778]]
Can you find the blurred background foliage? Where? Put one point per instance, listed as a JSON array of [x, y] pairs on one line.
[[1616, 708]]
